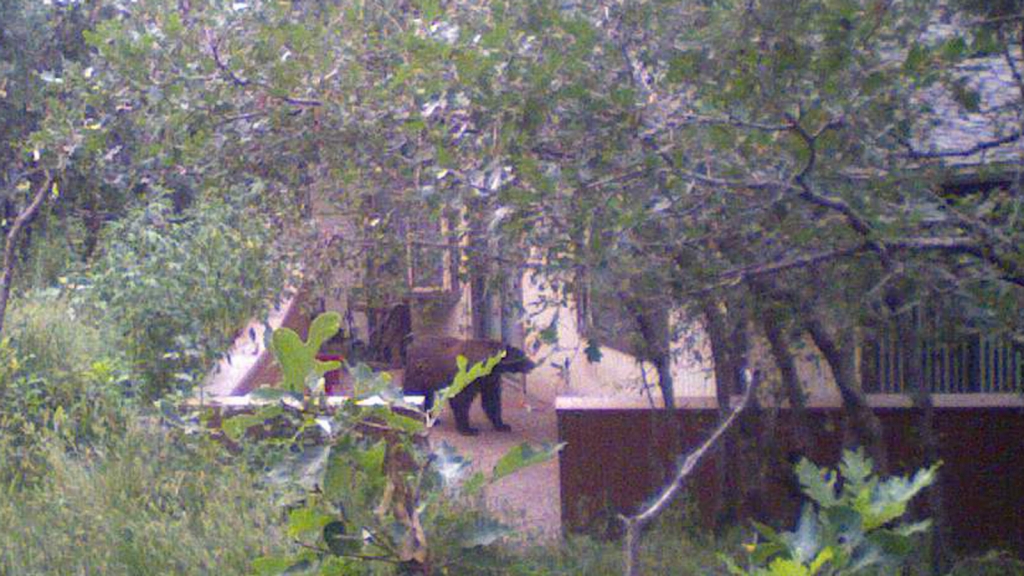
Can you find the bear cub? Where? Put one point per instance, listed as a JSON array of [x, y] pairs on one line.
[[430, 365]]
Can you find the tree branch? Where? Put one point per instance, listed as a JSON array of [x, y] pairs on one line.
[[11, 244], [243, 82], [977, 148], [635, 524]]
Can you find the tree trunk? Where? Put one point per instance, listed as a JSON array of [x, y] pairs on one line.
[[778, 342], [910, 335], [11, 243], [728, 350], [654, 329], [839, 352]]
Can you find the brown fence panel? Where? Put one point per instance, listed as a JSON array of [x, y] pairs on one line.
[[615, 459]]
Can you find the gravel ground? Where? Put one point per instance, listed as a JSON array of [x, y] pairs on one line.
[[528, 500]]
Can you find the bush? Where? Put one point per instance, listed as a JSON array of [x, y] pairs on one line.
[[150, 504], [852, 524], [58, 376], [179, 285]]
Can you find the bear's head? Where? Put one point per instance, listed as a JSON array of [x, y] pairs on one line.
[[514, 362]]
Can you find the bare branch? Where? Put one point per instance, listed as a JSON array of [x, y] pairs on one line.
[[635, 524], [977, 148]]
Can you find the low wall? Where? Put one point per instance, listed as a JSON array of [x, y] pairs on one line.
[[617, 455]]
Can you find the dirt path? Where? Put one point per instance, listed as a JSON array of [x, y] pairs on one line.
[[528, 501]]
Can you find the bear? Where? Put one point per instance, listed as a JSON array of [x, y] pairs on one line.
[[431, 365]]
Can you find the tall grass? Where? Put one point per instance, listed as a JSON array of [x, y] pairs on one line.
[[60, 376], [146, 504]]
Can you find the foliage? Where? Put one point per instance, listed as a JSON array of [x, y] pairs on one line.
[[151, 502], [179, 284], [851, 526], [59, 379], [298, 359], [371, 484]]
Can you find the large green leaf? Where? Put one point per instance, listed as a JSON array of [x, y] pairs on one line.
[[523, 456], [819, 485]]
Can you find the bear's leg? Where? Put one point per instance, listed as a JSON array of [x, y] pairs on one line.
[[491, 399], [460, 406]]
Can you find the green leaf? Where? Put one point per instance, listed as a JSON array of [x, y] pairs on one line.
[[523, 456], [805, 542], [339, 477], [787, 567], [236, 426], [303, 521], [323, 328], [954, 49], [916, 58], [292, 356], [824, 556], [819, 485], [856, 470], [474, 484], [403, 422], [464, 378]]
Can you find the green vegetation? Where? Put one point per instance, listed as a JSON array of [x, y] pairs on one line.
[[61, 382], [848, 527], [149, 503], [179, 284], [785, 170]]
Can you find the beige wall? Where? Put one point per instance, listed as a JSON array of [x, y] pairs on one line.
[[617, 374]]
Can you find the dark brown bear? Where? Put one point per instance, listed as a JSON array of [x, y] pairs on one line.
[[431, 365]]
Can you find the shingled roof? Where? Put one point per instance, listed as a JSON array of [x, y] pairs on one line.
[[950, 128]]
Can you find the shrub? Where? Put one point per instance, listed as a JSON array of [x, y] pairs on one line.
[[58, 376], [179, 285], [372, 485], [852, 524]]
